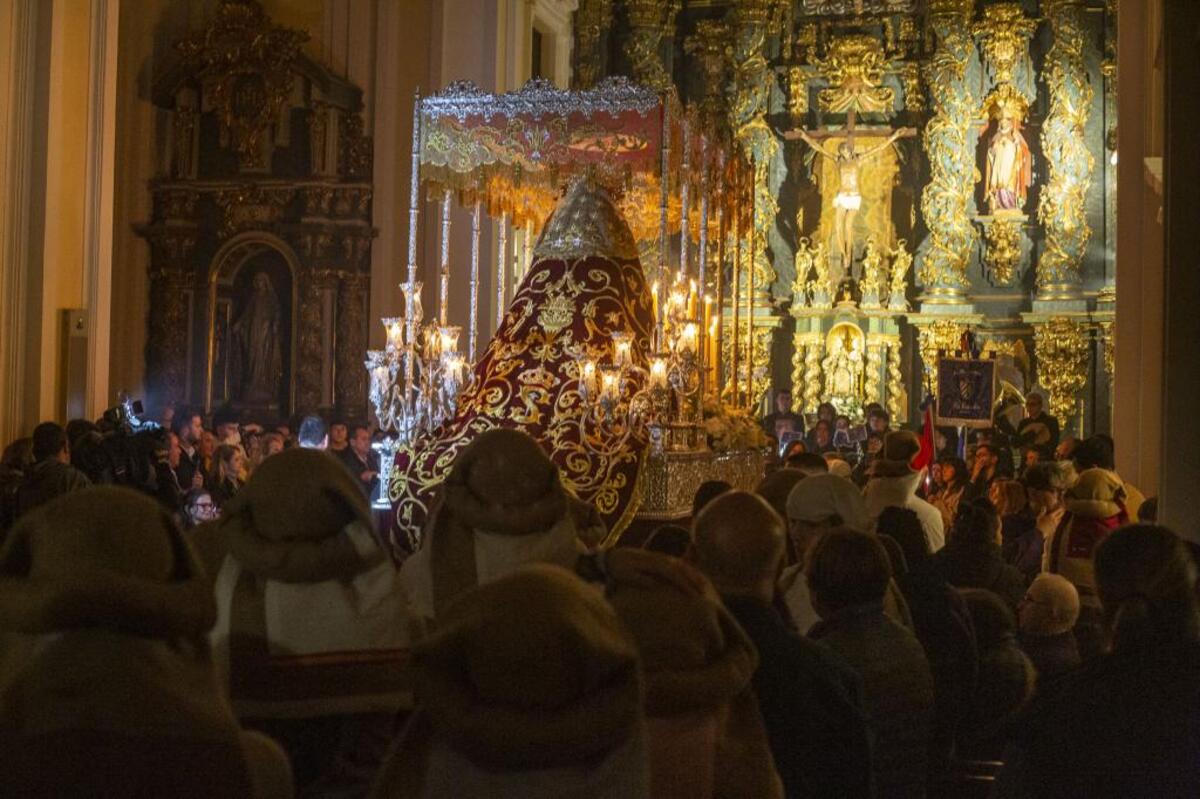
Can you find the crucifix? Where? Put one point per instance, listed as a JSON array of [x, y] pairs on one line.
[[847, 158]]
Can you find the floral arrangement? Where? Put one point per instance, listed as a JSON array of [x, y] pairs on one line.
[[729, 428]]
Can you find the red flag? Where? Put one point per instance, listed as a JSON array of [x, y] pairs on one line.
[[924, 457]]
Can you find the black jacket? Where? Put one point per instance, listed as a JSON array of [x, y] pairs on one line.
[[898, 692], [966, 566], [47, 480], [812, 707]]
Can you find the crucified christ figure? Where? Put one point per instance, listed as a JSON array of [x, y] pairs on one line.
[[848, 200]]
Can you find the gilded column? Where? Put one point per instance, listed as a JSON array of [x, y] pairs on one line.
[[1060, 345], [707, 46], [798, 345], [649, 21], [813, 350], [873, 367], [751, 91], [949, 143], [895, 382], [943, 334], [1069, 164]]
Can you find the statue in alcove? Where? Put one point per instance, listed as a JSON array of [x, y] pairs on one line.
[[1009, 168], [257, 355]]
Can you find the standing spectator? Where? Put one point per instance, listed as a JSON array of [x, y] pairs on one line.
[[362, 461], [166, 417], [950, 488], [1038, 428], [784, 419], [167, 457], [811, 699], [1096, 452], [1125, 725], [1020, 541], [189, 428], [1006, 677], [52, 474], [225, 425], [972, 558], [821, 437], [273, 444], [848, 574], [227, 479], [205, 451], [894, 482], [16, 462], [706, 493], [339, 437], [1045, 487], [942, 624], [1047, 616], [983, 470], [313, 433], [198, 508]]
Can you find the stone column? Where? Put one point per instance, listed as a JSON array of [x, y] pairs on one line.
[[351, 383]]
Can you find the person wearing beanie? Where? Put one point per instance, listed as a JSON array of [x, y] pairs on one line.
[[848, 574], [106, 679], [502, 505], [1047, 616], [312, 629], [816, 504], [894, 482], [1124, 724], [529, 687], [1006, 678], [811, 699], [705, 732]]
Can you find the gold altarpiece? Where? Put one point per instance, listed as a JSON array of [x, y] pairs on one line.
[[982, 181]]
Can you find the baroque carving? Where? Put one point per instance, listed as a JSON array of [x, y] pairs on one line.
[[251, 206], [855, 66], [1061, 347], [1069, 164], [593, 19], [949, 143], [351, 342], [1003, 253], [707, 46], [940, 335], [244, 65], [649, 21], [1004, 35]]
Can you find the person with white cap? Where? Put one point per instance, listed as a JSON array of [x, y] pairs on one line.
[[894, 482]]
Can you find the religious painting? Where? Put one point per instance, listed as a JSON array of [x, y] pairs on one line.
[[966, 391]]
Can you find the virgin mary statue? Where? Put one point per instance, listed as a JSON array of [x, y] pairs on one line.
[[257, 362]]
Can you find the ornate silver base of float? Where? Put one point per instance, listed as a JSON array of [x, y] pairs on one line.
[[669, 481]]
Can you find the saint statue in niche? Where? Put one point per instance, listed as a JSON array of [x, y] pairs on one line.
[[844, 366], [257, 357], [1009, 168]]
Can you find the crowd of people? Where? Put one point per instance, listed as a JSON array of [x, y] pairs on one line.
[[193, 470], [983, 627]]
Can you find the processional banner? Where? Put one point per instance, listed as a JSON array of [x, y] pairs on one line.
[[966, 391]]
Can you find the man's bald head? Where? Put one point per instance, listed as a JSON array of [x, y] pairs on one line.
[[738, 541]]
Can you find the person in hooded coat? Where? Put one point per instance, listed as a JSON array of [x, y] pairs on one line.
[[313, 631], [107, 686], [529, 687], [894, 482]]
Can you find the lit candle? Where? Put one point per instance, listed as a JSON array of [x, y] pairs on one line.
[[654, 299], [394, 327], [587, 377], [692, 302], [622, 348], [658, 372], [610, 385], [688, 337], [454, 372], [448, 339]]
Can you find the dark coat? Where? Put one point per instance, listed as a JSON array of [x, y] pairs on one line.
[[357, 466], [48, 479], [965, 566], [943, 626], [812, 707], [898, 688], [1127, 724], [1053, 655], [1022, 543]]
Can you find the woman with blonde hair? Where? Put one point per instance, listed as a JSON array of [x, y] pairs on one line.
[[228, 463]]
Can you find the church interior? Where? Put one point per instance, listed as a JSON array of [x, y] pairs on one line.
[[675, 244]]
